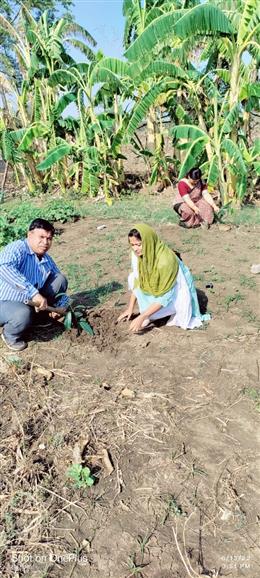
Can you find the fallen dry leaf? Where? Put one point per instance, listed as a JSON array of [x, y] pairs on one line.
[[126, 392], [223, 227], [47, 373]]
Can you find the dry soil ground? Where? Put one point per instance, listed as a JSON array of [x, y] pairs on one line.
[[175, 412]]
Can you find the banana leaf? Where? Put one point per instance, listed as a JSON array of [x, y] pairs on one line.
[[54, 156]]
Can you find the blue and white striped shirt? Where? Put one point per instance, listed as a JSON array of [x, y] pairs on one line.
[[23, 274]]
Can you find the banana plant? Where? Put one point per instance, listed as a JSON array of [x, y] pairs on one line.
[[227, 156], [40, 49]]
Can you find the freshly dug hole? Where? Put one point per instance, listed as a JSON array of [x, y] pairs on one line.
[[107, 333]]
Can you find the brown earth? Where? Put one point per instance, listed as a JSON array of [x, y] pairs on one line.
[[175, 412]]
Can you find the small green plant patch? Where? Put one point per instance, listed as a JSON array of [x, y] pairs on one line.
[[135, 568], [233, 300], [250, 316], [247, 282], [15, 222], [173, 508], [80, 476], [253, 394]]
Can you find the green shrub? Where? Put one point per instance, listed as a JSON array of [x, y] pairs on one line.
[[14, 223]]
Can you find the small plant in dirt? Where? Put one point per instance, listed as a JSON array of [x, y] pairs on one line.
[[233, 299], [250, 316], [80, 476], [224, 212], [134, 568], [253, 394], [75, 318], [14, 361], [174, 508], [247, 282]]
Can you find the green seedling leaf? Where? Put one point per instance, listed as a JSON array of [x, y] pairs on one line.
[[68, 321], [81, 476], [86, 477], [78, 314], [74, 471], [86, 327], [14, 360]]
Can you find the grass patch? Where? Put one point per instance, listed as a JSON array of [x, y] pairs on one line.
[[233, 300], [254, 395], [16, 217], [250, 317], [247, 282], [248, 215], [133, 209], [77, 276]]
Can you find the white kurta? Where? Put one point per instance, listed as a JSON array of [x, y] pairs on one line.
[[182, 303]]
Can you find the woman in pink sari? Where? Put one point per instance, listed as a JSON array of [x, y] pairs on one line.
[[193, 203]]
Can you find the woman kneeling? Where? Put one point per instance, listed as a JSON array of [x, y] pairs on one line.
[[160, 283], [193, 202]]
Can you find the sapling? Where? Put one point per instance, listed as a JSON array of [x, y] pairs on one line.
[[80, 475], [74, 317]]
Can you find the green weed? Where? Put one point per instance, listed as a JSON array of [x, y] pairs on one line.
[[214, 275], [172, 507], [78, 277], [57, 440], [80, 476], [199, 277], [253, 394], [233, 299], [247, 282], [9, 522], [143, 541], [14, 360], [249, 316], [188, 241], [200, 251], [134, 568]]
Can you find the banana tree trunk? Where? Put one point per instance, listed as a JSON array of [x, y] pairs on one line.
[[37, 177], [27, 179], [222, 181], [203, 127], [233, 99], [4, 176], [234, 81], [119, 166], [151, 128]]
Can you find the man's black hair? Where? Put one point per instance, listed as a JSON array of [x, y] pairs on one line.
[[42, 224]]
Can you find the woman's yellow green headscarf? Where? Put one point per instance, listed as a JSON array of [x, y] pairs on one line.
[[158, 266]]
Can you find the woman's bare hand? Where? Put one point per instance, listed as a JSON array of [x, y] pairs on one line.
[[127, 314], [137, 324]]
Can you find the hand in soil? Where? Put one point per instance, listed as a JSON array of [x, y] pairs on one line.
[[127, 314], [137, 324]]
